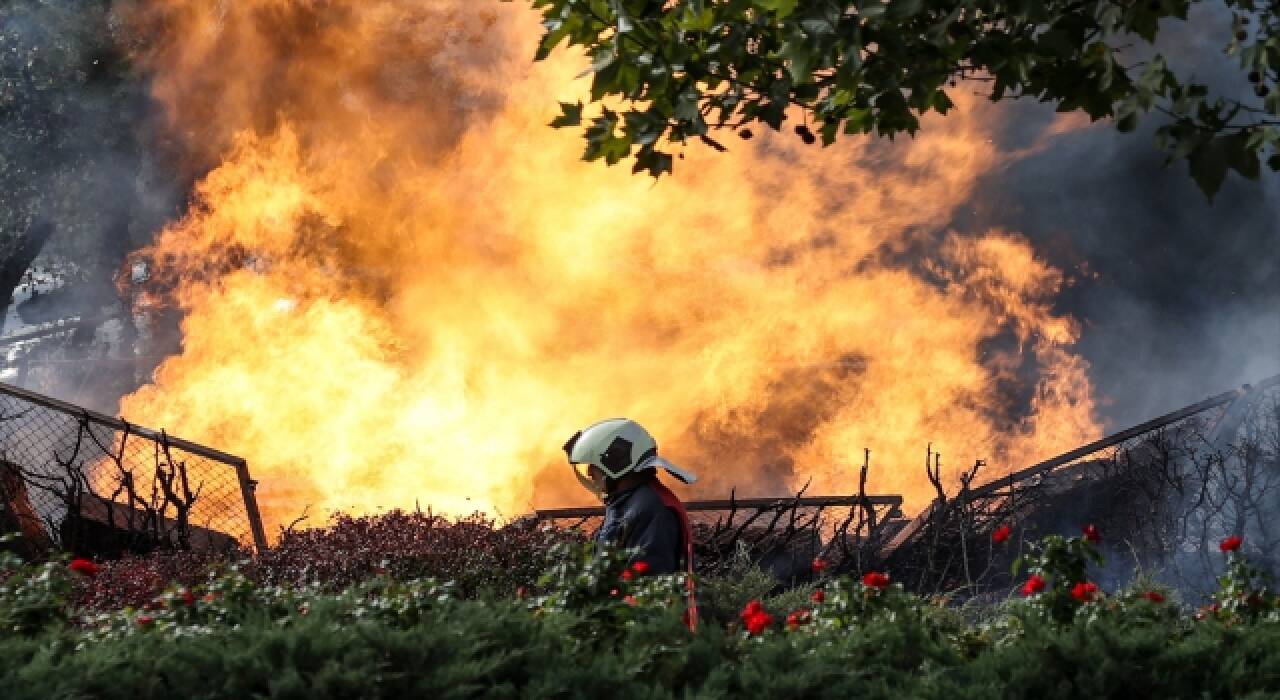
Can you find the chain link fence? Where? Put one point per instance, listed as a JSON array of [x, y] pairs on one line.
[[1164, 493], [85, 482]]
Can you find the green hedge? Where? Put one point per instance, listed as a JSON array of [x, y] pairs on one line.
[[588, 630]]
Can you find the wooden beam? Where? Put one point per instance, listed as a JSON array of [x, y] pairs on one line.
[[895, 502]]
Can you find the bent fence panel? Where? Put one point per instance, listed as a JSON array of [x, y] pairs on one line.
[[87, 482]]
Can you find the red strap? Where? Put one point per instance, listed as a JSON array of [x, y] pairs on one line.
[[669, 500]]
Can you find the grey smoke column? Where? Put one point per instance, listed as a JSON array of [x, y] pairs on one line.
[[1178, 298]]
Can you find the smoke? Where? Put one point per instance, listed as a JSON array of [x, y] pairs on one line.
[[78, 159], [1180, 298]]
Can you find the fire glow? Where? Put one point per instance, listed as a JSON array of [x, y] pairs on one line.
[[401, 286]]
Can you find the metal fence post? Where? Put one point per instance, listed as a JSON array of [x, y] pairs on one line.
[[248, 487]]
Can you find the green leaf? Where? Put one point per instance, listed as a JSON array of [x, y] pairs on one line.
[[941, 102], [781, 8], [1208, 163], [859, 121], [570, 115], [800, 58], [697, 21], [1127, 122], [603, 59], [557, 30], [687, 105], [872, 11], [603, 142], [829, 133], [644, 128], [901, 9], [1240, 156], [653, 162]]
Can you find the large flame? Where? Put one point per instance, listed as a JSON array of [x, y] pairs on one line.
[[401, 286]]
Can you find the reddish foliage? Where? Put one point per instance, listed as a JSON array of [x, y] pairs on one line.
[[474, 552], [135, 580]]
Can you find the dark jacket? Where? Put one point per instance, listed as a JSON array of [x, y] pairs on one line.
[[637, 517]]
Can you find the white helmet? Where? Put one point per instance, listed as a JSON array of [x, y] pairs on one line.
[[618, 446]]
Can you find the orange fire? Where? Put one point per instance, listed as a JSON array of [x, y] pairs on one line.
[[401, 286]]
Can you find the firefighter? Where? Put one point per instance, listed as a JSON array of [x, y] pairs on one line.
[[618, 460]]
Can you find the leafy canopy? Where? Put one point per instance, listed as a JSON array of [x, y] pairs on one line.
[[668, 71]]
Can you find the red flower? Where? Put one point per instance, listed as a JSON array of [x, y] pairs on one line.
[[1230, 544], [627, 575], [640, 567], [145, 620], [819, 565], [1034, 585], [629, 600], [1153, 596], [1091, 533], [1001, 534], [875, 579], [757, 624], [797, 618], [613, 593], [755, 618], [210, 597], [522, 592], [818, 596], [84, 566], [1084, 591], [188, 597]]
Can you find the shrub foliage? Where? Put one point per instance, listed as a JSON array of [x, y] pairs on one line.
[[592, 626]]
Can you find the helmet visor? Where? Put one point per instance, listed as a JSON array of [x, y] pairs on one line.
[[582, 471]]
